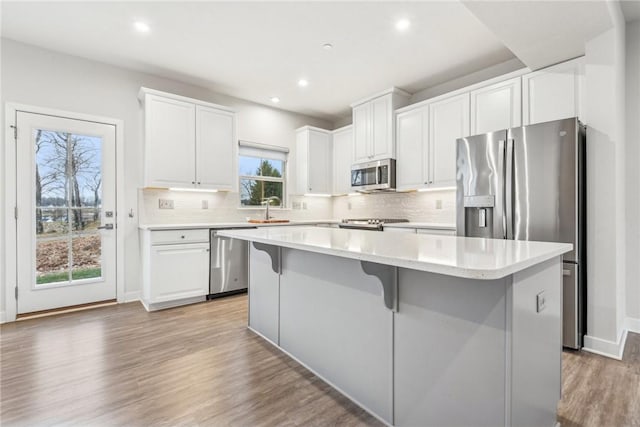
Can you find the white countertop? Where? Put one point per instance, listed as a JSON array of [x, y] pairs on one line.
[[473, 258], [244, 224], [432, 225]]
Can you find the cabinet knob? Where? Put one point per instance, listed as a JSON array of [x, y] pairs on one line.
[[182, 237], [199, 183], [193, 182]]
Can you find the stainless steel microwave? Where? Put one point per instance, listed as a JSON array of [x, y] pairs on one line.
[[374, 176]]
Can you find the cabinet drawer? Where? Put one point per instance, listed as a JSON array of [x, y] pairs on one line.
[[167, 237]]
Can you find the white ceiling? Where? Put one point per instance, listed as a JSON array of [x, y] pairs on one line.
[[256, 50], [541, 33]]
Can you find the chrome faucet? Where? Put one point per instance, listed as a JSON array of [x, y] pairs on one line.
[[267, 202]]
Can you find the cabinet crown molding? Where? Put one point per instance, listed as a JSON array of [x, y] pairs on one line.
[[393, 90], [147, 91]]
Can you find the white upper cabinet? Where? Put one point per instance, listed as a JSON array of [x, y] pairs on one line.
[[496, 107], [553, 93], [426, 143], [448, 121], [412, 149], [314, 158], [342, 159], [170, 150], [188, 143], [374, 127], [214, 148]]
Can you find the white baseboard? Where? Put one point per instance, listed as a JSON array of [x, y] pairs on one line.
[[606, 348], [632, 324], [131, 296], [3, 317]]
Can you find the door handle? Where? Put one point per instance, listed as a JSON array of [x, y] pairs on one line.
[[509, 189], [106, 227]]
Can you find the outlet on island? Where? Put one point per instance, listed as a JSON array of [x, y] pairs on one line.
[[165, 203]]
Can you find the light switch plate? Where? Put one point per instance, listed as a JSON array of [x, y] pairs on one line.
[[541, 303], [165, 203], [205, 204]]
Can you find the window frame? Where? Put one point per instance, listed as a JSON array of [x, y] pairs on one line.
[[282, 179]]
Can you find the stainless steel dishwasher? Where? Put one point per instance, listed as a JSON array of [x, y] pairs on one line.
[[229, 265]]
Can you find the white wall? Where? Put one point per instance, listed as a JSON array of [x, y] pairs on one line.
[[605, 99], [39, 77], [633, 172]]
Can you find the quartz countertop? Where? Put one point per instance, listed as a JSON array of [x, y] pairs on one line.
[[466, 257], [432, 225], [245, 224]]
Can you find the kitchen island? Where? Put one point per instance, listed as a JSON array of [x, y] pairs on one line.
[[419, 330]]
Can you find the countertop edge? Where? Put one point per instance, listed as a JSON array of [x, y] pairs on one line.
[[466, 273], [427, 225], [223, 225]]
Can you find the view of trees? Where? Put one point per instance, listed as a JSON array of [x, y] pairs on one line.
[[253, 191], [68, 174]]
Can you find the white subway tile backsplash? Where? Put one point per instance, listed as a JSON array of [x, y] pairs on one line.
[[432, 206]]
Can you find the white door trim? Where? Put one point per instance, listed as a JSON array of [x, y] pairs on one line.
[[10, 274]]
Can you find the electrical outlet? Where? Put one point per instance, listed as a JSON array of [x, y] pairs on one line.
[[165, 203], [349, 206], [541, 303], [205, 204], [438, 204], [304, 205]]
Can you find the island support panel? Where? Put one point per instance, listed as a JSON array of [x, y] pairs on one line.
[[457, 351], [334, 320], [450, 339]]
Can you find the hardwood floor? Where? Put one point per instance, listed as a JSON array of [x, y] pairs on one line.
[[199, 365]]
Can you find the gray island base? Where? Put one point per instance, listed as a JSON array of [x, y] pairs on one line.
[[415, 347]]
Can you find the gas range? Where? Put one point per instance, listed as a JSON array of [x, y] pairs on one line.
[[373, 224]]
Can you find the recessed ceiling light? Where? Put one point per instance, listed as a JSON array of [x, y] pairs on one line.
[[327, 46], [275, 99], [303, 83], [403, 24], [141, 27]]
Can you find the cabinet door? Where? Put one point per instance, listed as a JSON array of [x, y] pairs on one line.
[[179, 271], [342, 160], [448, 121], [169, 142], [382, 128], [302, 162], [412, 152], [361, 133], [214, 149], [320, 159], [553, 93], [496, 107]]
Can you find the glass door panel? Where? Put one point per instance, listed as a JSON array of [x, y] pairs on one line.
[[68, 199]]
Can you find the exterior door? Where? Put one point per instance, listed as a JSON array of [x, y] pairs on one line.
[[66, 200]]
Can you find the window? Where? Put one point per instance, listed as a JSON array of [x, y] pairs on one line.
[[262, 170]]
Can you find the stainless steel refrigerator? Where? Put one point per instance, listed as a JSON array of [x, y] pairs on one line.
[[528, 183]]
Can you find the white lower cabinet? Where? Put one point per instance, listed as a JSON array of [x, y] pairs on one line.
[[399, 230], [436, 231], [175, 267]]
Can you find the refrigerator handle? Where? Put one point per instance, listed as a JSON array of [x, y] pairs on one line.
[[508, 199], [501, 203]]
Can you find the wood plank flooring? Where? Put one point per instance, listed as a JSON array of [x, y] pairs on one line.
[[199, 365]]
